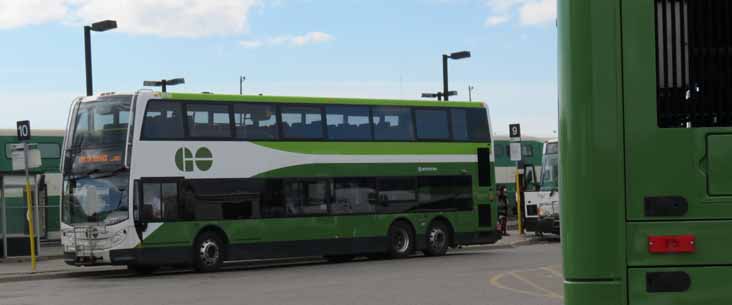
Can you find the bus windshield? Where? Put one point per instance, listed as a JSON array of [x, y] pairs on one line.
[[96, 199], [550, 168], [99, 133]]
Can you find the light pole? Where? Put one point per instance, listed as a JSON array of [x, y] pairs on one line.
[[241, 84], [445, 57], [438, 95], [164, 83], [470, 93], [100, 26]]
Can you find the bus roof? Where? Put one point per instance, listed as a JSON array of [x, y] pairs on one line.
[[317, 100]]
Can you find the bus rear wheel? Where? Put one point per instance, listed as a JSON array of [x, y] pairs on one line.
[[438, 239], [208, 252], [401, 240]]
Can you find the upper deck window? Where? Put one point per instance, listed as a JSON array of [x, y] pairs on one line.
[[470, 125], [163, 120], [432, 124], [208, 121], [348, 122], [302, 122], [393, 123], [255, 122]]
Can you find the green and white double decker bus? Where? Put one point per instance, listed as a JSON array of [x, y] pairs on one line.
[[646, 151], [170, 179]]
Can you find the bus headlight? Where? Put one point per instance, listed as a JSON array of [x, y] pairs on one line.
[[541, 211]]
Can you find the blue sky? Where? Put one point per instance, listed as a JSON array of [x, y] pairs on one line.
[[346, 48]]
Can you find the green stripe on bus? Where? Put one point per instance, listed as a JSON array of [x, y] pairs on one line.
[[375, 148], [316, 100]]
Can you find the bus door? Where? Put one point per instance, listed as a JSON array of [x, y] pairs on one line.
[[678, 133]]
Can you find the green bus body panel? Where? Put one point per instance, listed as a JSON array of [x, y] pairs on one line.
[[16, 206], [661, 161], [713, 243], [590, 135], [594, 293], [302, 228], [503, 159], [615, 157], [709, 286], [719, 167], [375, 148], [373, 169], [316, 100], [49, 165]]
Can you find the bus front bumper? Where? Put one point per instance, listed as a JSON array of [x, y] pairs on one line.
[[548, 225]]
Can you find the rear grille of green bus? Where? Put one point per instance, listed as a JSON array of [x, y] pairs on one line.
[[694, 63]]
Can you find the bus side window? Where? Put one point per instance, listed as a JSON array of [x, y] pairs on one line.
[[151, 202], [160, 201], [163, 120]]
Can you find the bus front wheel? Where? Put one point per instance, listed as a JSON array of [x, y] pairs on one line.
[[401, 240], [208, 252]]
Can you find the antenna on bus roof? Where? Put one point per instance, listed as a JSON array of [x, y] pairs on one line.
[[164, 83]]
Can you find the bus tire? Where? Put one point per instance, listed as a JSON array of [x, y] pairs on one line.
[[438, 239], [401, 240], [208, 252]]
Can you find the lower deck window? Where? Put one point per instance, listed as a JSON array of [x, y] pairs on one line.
[[230, 199]]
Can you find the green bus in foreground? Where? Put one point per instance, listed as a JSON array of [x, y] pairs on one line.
[[646, 140], [169, 179]]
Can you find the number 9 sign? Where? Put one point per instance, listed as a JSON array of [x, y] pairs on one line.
[[514, 130]]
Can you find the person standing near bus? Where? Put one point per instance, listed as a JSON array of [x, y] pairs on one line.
[[503, 210]]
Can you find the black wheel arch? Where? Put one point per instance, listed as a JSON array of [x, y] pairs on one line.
[[404, 220]]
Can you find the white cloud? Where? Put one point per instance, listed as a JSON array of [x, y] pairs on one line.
[[169, 18], [496, 20], [18, 13], [293, 41], [529, 12], [538, 12]]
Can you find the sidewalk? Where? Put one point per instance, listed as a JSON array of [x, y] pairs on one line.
[[48, 250]]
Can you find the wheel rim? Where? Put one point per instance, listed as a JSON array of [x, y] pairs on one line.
[[209, 252], [400, 240], [437, 238]]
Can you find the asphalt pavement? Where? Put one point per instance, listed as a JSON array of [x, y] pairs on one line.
[[525, 275]]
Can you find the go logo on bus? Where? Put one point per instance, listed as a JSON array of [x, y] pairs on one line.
[[185, 160]]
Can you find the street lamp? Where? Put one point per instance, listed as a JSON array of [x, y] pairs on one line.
[[445, 57], [470, 93], [164, 83], [438, 95], [96, 27], [241, 84]]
